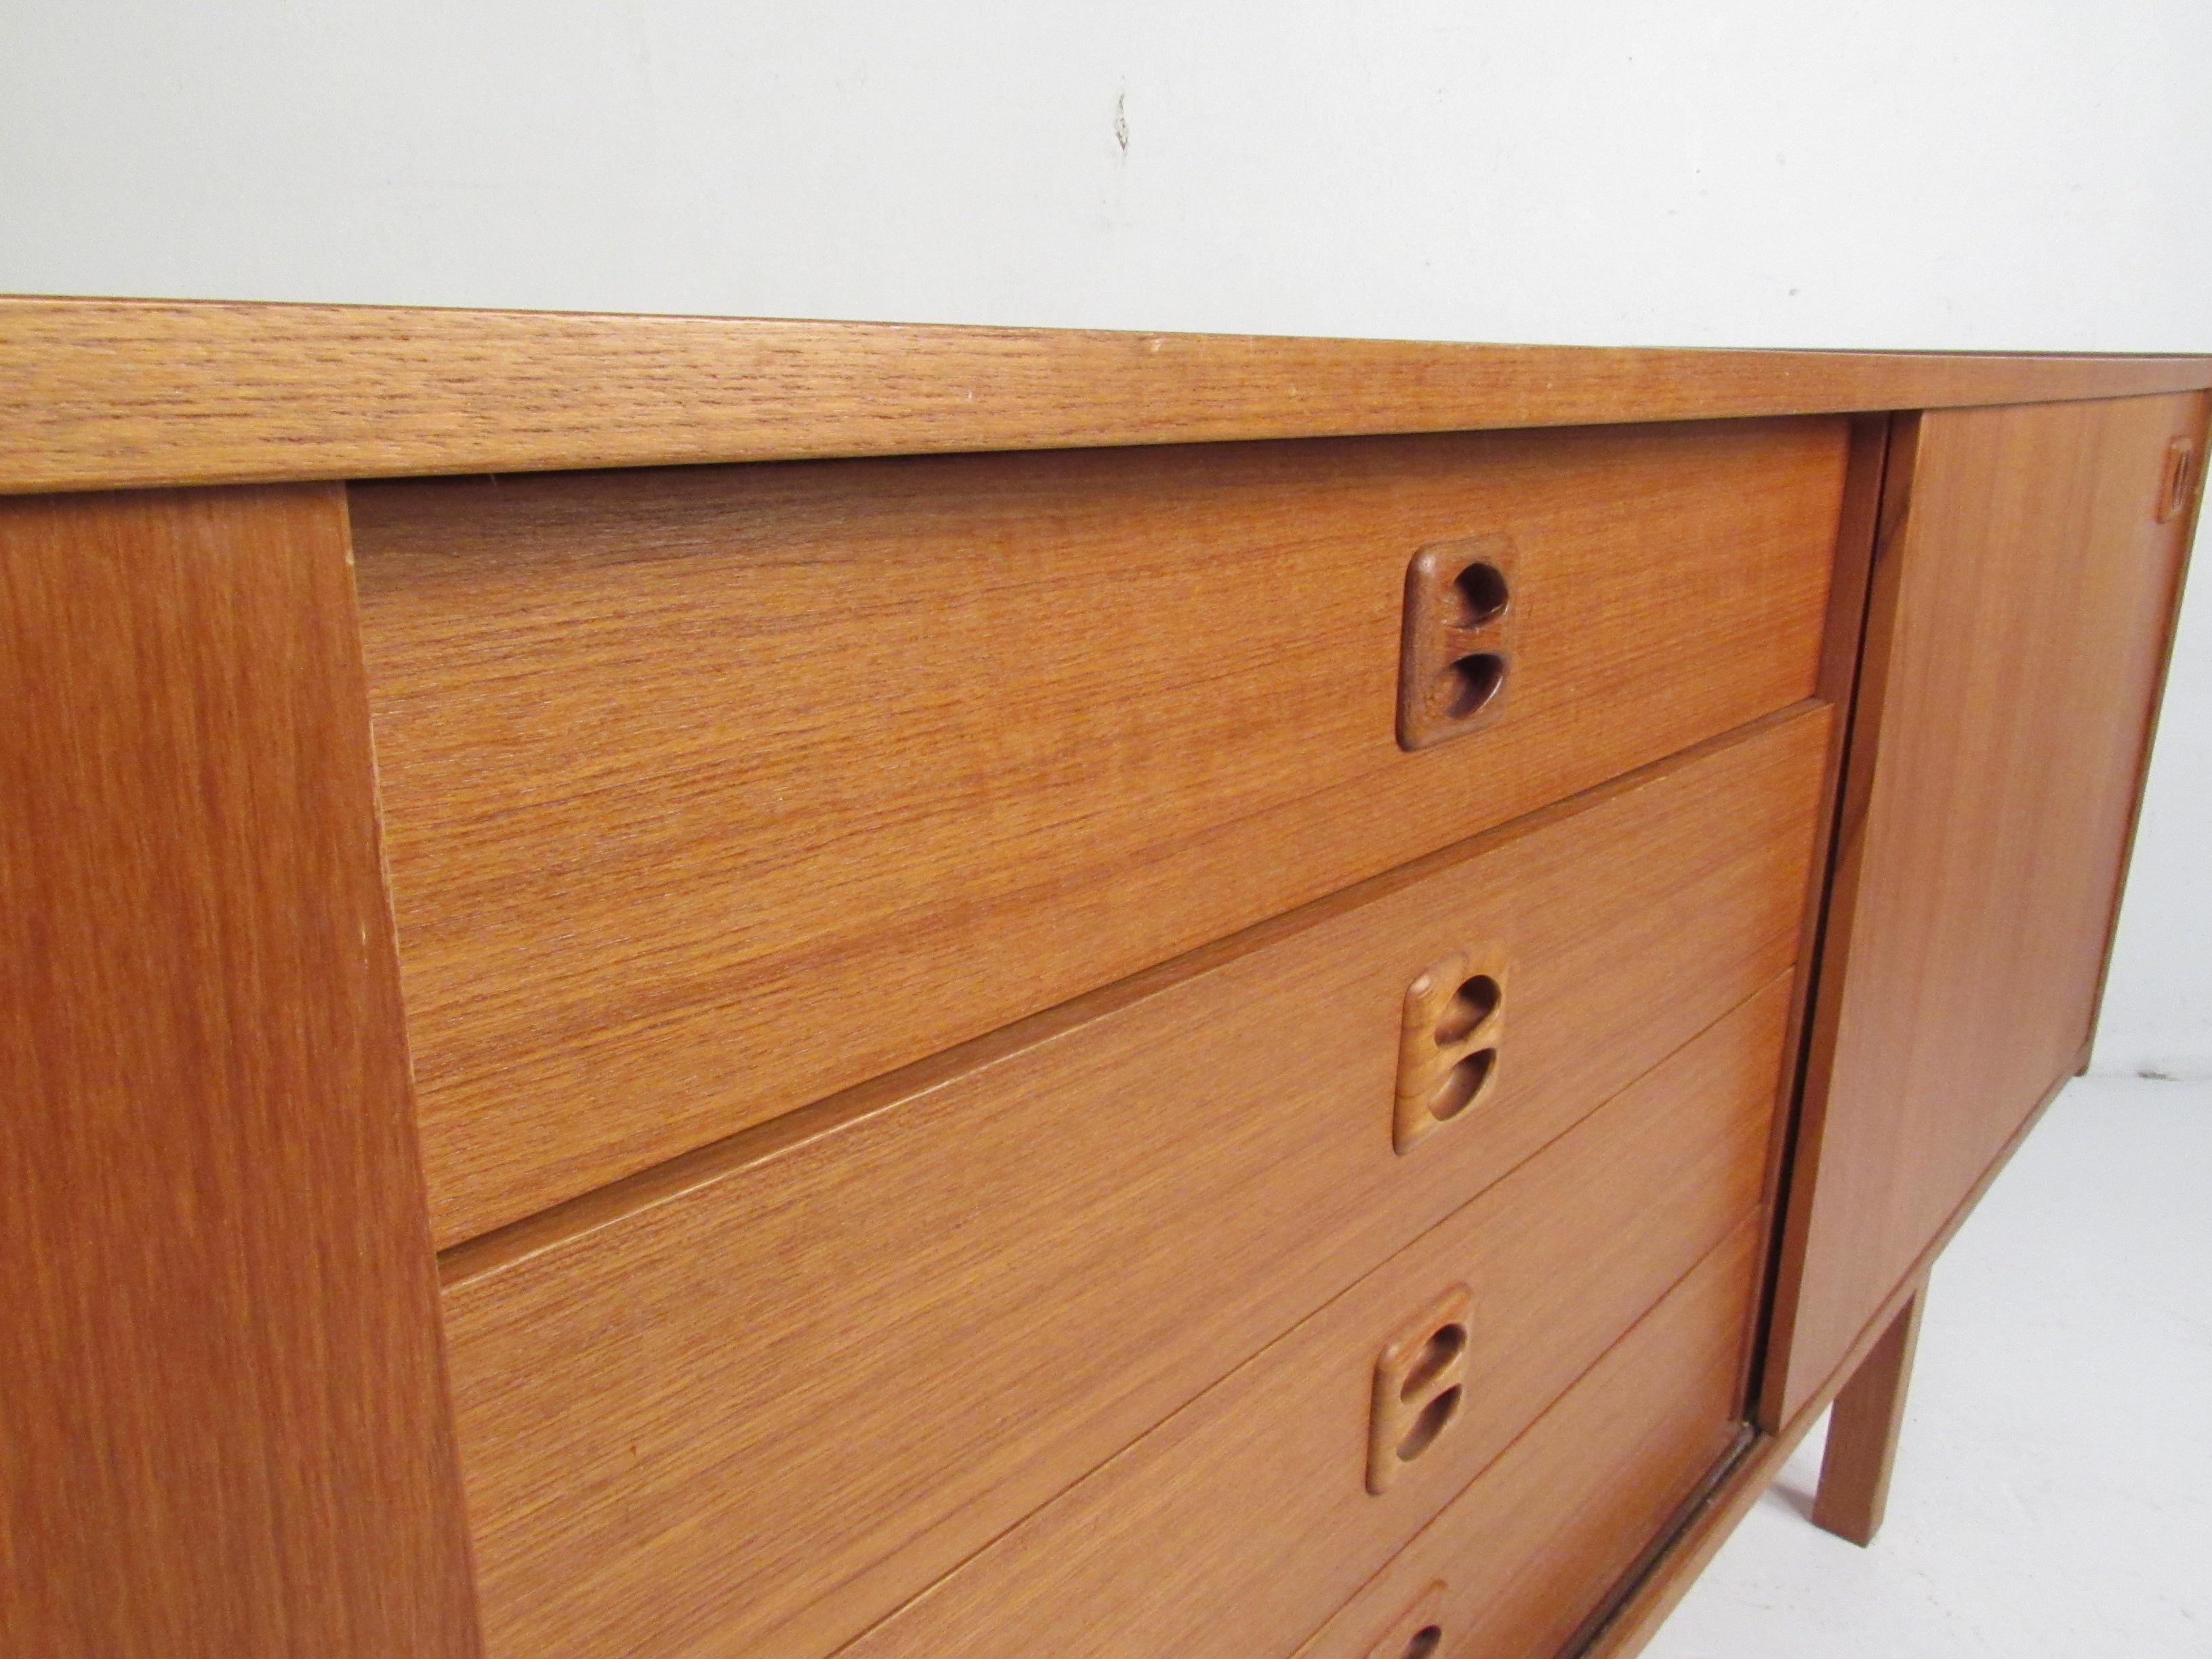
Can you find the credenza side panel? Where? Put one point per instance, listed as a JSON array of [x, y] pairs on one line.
[[225, 1426], [2023, 593]]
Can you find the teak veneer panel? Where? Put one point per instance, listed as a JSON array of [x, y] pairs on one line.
[[223, 1425], [2023, 591], [996, 1274], [1516, 1565], [1654, 1590], [130, 391], [1241, 1524], [704, 810], [710, 792]]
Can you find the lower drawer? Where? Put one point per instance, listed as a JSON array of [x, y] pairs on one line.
[[1514, 1564], [753, 1406], [1237, 1526]]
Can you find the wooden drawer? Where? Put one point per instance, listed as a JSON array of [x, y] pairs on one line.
[[764, 1396], [708, 793], [1514, 1564], [1238, 1525]]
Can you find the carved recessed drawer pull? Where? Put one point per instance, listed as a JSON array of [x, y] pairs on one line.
[[1456, 656], [1416, 1633], [2178, 480], [1447, 1050], [1419, 1381]]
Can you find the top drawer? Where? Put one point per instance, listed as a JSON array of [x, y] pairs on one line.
[[707, 792]]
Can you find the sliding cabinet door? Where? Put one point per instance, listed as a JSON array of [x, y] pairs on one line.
[[2022, 596]]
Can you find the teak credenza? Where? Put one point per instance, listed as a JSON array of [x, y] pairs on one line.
[[690, 987]]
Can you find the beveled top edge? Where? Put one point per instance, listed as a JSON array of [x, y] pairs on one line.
[[134, 393]]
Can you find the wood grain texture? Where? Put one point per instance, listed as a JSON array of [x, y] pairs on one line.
[[996, 1272], [124, 392], [1642, 1604], [1253, 1496], [2185, 515], [1862, 1432], [1414, 1634], [226, 1430], [710, 792], [1241, 1524], [1850, 587], [1533, 1545], [2023, 593]]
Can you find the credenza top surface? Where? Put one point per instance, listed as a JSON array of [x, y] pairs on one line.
[[134, 393]]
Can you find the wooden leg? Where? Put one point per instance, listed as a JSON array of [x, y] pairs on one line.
[[1862, 1432]]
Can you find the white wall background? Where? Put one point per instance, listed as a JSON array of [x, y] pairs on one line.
[[2023, 173]]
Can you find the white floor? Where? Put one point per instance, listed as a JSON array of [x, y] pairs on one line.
[[2053, 1492]]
